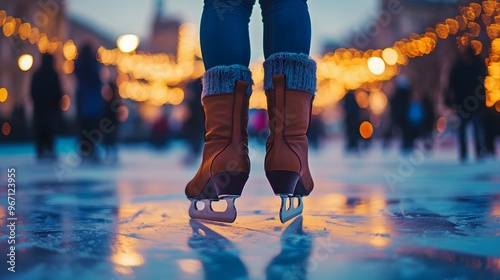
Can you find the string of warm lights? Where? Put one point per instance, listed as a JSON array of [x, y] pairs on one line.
[[157, 78], [347, 69], [12, 26], [492, 81]]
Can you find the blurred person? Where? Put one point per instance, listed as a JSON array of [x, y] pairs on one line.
[[193, 126], [491, 123], [90, 102], [467, 86], [159, 132], [290, 85], [429, 122], [352, 121], [112, 103], [415, 124], [46, 94], [400, 111], [316, 132], [257, 125]]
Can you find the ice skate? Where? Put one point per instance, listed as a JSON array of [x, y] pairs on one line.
[[225, 166], [288, 209], [289, 99]]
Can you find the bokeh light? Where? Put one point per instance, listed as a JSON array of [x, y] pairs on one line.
[[4, 94], [43, 43], [24, 31], [128, 43], [69, 50], [149, 113], [376, 65], [3, 16], [6, 128], [390, 56], [9, 27], [156, 78], [65, 103], [34, 35], [69, 66], [366, 130], [122, 113], [441, 124], [476, 46], [378, 102], [177, 96], [362, 99], [25, 62]]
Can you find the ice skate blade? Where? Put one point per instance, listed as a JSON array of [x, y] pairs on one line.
[[207, 213], [289, 212]]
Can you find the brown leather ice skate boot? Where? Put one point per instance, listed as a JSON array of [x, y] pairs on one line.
[[289, 111], [225, 165]]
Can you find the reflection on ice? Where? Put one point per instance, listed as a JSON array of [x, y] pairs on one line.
[[292, 261], [189, 266], [217, 254]]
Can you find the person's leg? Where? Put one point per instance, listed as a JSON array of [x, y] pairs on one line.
[[462, 139], [224, 34], [287, 26], [225, 45], [93, 126], [39, 143], [477, 127], [287, 40], [290, 84], [227, 85], [489, 140], [51, 130]]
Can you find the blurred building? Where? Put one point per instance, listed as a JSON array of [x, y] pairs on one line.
[[163, 38], [165, 32]]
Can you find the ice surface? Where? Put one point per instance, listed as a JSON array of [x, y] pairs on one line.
[[130, 221]]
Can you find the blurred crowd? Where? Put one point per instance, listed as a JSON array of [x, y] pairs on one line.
[[411, 114], [97, 106]]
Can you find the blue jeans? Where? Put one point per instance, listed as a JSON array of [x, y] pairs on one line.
[[224, 32]]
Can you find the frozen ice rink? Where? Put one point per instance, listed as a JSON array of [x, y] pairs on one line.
[[382, 215]]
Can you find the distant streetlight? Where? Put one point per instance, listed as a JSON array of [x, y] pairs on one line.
[[376, 65], [25, 62], [128, 43]]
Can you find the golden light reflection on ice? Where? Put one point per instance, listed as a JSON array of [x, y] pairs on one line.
[[126, 248], [189, 266], [376, 230]]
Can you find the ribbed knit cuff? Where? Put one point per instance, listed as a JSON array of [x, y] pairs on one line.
[[299, 69], [222, 79]]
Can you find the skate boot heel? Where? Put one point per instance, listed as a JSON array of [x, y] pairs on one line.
[[229, 183], [283, 182]]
